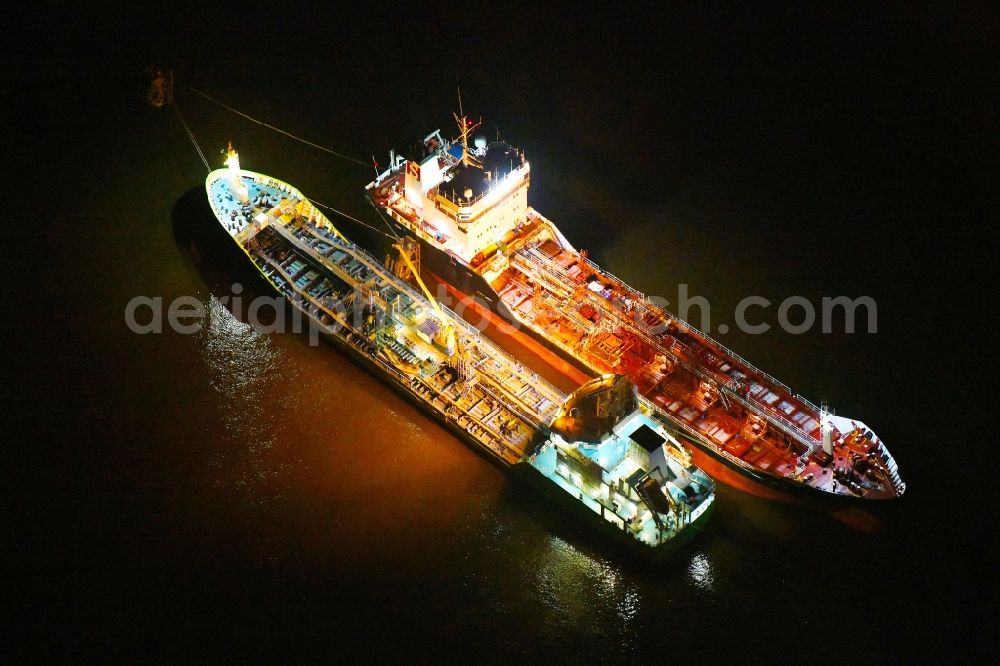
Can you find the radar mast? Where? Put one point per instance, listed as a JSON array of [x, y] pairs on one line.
[[465, 128]]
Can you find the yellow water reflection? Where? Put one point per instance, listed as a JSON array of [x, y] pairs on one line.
[[569, 580]]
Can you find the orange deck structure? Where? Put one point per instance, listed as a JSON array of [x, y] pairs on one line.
[[711, 393], [468, 208]]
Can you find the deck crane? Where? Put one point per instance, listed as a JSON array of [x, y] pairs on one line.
[[449, 343]]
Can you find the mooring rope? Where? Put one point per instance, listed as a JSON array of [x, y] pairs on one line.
[[349, 217], [382, 217], [310, 143], [278, 129], [191, 136]]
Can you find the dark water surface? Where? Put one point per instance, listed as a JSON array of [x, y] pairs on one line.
[[230, 492]]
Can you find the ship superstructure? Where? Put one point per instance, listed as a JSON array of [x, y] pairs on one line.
[[468, 208], [444, 365]]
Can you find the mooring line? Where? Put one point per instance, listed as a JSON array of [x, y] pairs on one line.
[[349, 217], [190, 134], [278, 129]]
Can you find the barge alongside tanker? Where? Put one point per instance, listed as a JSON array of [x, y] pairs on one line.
[[466, 205], [602, 451]]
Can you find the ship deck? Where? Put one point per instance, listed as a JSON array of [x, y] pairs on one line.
[[491, 398], [485, 392], [690, 491], [729, 408], [742, 413]]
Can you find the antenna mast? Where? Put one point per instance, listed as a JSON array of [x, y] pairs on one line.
[[465, 127]]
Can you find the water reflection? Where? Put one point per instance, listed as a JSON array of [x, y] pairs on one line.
[[579, 588], [701, 573], [243, 367], [237, 356]]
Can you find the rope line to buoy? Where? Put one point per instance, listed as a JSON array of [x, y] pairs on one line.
[[278, 129], [191, 136], [333, 152]]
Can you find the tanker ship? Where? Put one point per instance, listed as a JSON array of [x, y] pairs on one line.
[[467, 208], [601, 452]]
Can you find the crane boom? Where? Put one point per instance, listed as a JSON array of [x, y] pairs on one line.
[[445, 319]]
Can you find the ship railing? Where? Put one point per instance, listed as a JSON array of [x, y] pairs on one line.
[[539, 386], [344, 325], [722, 349], [531, 266], [540, 264], [661, 346], [450, 401], [545, 389], [419, 226], [406, 381], [326, 263], [893, 470], [746, 365], [553, 265], [722, 380], [462, 202], [673, 422], [501, 445], [784, 424], [725, 381], [621, 283], [512, 404]]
